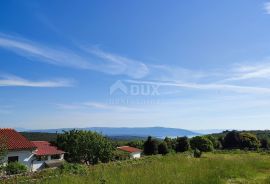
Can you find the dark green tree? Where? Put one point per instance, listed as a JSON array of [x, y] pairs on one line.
[[232, 140], [201, 143], [85, 146], [182, 144], [163, 148], [264, 143], [150, 146], [249, 141]]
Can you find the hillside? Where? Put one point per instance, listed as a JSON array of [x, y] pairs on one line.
[[213, 168], [124, 131]]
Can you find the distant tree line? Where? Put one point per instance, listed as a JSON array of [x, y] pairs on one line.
[[206, 143]]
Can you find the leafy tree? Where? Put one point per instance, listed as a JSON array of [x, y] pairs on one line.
[[201, 143], [171, 143], [150, 146], [249, 141], [241, 140], [216, 143], [264, 143], [232, 140], [182, 144], [163, 148], [85, 146]]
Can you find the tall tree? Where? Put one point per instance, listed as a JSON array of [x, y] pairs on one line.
[[182, 144], [85, 146], [150, 146]]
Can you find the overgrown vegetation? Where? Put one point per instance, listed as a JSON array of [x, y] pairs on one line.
[[212, 168], [15, 168]]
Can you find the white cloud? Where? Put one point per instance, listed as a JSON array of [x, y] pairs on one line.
[[122, 65], [11, 80], [110, 63], [267, 7], [259, 71], [210, 86], [97, 106]]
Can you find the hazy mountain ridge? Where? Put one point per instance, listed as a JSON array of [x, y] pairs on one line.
[[125, 131]]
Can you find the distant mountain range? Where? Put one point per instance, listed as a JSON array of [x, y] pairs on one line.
[[159, 132]]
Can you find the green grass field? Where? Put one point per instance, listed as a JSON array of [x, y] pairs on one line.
[[177, 168]]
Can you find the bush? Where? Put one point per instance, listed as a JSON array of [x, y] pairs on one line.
[[197, 153], [182, 144], [201, 143], [163, 148], [15, 168], [71, 168], [120, 155]]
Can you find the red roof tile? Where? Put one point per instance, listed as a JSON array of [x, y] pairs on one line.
[[129, 149], [45, 148], [14, 140]]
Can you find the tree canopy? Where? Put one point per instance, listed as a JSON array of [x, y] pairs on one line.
[[85, 146]]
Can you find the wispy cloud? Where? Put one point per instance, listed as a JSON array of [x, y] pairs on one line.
[[96, 106], [12, 80], [120, 64], [210, 86], [80, 58], [253, 71], [267, 7]]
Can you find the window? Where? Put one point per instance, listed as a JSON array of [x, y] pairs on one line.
[[42, 158], [55, 156], [13, 159]]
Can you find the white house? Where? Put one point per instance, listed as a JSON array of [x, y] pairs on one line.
[[35, 155], [133, 152]]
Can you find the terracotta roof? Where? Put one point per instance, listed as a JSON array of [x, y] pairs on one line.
[[45, 148], [129, 149], [14, 140]]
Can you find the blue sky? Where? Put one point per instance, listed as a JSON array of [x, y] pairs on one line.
[[192, 64]]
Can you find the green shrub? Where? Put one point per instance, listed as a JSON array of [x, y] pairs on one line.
[[15, 168], [71, 168], [201, 143], [163, 148], [197, 153]]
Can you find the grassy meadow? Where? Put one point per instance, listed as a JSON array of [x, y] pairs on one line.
[[174, 168]]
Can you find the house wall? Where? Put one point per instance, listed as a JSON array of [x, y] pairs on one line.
[[135, 155], [38, 165], [25, 157]]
